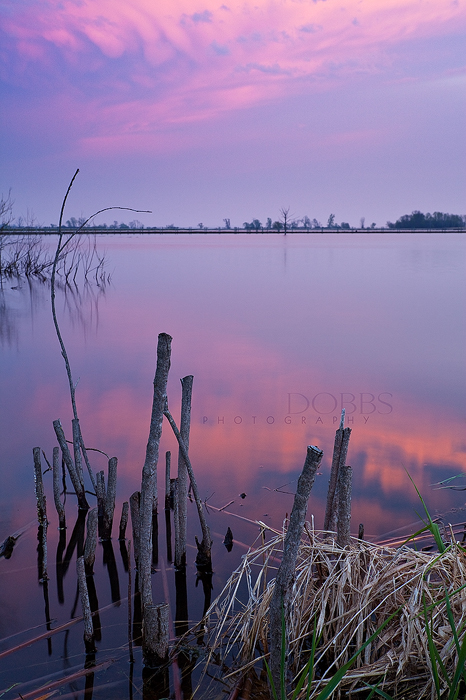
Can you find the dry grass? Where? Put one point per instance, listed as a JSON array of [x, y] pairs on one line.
[[350, 592]]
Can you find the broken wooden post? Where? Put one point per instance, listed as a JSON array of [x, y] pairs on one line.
[[155, 635], [109, 503], [279, 605], [56, 470], [149, 473], [134, 506], [77, 449], [182, 492], [340, 451], [168, 457], [130, 599], [204, 548], [91, 540], [86, 607], [77, 484], [100, 493], [123, 521], [41, 515], [39, 487], [345, 480]]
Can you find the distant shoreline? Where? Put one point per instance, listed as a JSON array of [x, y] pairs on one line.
[[49, 231]]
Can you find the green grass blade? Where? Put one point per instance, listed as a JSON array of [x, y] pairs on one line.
[[433, 653], [375, 689], [283, 657], [269, 676], [433, 527]]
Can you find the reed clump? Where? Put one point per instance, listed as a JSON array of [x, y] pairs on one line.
[[340, 597]]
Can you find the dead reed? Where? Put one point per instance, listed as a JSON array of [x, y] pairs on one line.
[[348, 592]]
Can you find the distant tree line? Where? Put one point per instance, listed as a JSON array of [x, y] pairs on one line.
[[436, 220]]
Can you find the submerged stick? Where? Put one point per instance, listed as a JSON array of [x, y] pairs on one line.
[[149, 471], [75, 480], [203, 558], [182, 491], [86, 607], [279, 605], [56, 470], [123, 521]]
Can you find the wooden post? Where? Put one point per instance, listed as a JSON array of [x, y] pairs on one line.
[[168, 457], [100, 493], [182, 490], [86, 607], [345, 480], [91, 540], [279, 604], [77, 485], [109, 504], [130, 601], [39, 487], [340, 451], [149, 471], [123, 521], [77, 450], [134, 506], [155, 635], [56, 469], [41, 515]]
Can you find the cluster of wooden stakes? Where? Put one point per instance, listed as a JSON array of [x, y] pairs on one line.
[[344, 586]]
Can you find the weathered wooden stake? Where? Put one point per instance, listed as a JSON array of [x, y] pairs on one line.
[[56, 469], [39, 487], [182, 494], [168, 457], [345, 480], [91, 540], [149, 472], [279, 605], [109, 504], [100, 493], [75, 480], [77, 450], [123, 521], [130, 602], [134, 506], [340, 451], [155, 635], [86, 607]]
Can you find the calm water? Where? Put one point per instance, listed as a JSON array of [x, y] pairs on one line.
[[280, 334]]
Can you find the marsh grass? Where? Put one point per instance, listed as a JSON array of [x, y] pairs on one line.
[[343, 609]]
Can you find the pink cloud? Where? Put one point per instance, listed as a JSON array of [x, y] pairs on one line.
[[141, 68]]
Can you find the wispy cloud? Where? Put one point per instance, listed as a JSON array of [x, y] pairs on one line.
[[157, 61]]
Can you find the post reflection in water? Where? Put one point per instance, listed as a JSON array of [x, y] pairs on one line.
[[110, 563]]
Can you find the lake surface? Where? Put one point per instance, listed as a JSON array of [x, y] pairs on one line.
[[280, 334]]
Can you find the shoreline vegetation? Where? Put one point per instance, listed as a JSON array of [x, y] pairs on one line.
[[102, 231]]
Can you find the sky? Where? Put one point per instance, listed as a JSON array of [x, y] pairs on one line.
[[200, 110]]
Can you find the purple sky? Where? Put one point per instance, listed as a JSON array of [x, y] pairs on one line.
[[199, 110]]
